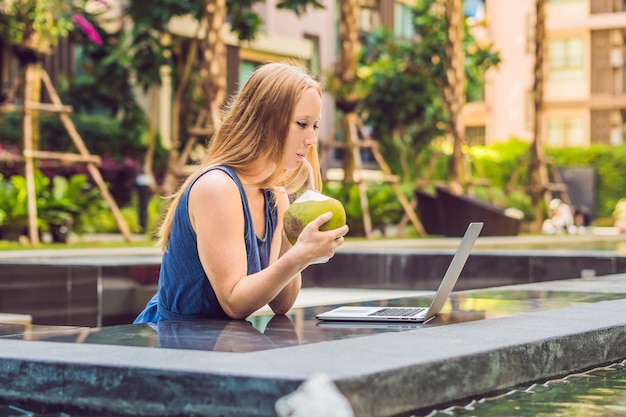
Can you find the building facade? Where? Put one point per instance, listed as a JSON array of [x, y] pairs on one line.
[[584, 88]]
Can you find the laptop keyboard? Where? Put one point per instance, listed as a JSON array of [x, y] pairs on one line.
[[397, 311]]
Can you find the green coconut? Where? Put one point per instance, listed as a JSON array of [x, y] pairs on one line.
[[309, 206]]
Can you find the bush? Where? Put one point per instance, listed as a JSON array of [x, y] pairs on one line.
[[384, 206], [121, 149], [610, 165], [498, 162]]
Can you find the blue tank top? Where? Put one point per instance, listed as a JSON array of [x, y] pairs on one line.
[[184, 291]]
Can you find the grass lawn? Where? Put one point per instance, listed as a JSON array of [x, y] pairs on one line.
[[107, 241]]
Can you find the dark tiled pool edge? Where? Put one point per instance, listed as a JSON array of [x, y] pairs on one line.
[[381, 375]]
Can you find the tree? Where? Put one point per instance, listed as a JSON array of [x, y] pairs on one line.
[[402, 104], [453, 87], [343, 82], [537, 171], [32, 28], [407, 84], [441, 27], [150, 28]]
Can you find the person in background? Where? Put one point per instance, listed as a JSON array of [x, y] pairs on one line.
[[225, 253], [561, 218]]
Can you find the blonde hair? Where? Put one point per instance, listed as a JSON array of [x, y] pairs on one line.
[[254, 130]]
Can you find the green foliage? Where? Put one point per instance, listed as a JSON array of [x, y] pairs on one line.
[[13, 201], [401, 81], [497, 163], [115, 98], [610, 165], [35, 22], [299, 7], [401, 104], [155, 213], [619, 213], [384, 206], [102, 135], [60, 201], [432, 30], [98, 218], [63, 200], [147, 51]]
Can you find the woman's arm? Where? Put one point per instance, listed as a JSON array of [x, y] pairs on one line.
[[217, 216]]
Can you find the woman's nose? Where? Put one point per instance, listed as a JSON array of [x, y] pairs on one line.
[[311, 138]]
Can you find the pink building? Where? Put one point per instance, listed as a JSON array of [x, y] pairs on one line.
[[584, 92]]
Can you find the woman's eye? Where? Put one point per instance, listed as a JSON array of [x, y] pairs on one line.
[[304, 125]]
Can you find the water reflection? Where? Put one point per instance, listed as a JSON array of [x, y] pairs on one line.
[[599, 392], [226, 336], [268, 331]]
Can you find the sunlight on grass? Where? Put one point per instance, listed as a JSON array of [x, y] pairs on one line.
[[140, 242]]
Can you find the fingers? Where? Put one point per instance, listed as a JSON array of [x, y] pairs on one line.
[[340, 232], [322, 244], [321, 220]]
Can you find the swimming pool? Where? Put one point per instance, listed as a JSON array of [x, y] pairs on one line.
[[598, 392]]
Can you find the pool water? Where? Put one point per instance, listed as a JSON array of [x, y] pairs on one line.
[[600, 392]]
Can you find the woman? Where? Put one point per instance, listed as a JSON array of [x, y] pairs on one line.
[[225, 255]]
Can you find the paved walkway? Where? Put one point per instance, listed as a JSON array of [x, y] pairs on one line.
[[596, 237]]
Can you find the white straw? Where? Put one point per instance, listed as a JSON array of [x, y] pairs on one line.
[[311, 177]]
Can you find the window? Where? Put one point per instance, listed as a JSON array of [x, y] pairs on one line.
[[246, 68], [565, 131], [314, 63], [474, 10], [565, 59], [403, 21]]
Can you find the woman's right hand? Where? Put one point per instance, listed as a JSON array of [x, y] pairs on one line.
[[319, 246]]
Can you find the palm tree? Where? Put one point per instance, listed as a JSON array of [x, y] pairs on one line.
[[344, 85], [207, 53], [453, 90], [212, 63], [345, 76], [537, 171]]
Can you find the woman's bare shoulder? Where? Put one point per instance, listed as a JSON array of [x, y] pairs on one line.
[[215, 183]]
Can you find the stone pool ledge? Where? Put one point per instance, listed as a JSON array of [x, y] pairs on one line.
[[381, 375]]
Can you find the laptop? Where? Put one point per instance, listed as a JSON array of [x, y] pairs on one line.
[[413, 314]]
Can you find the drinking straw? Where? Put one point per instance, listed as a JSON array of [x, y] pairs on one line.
[[311, 177]]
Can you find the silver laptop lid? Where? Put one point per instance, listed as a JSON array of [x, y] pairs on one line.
[[454, 269]]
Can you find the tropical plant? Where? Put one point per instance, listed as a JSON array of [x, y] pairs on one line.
[[405, 81], [33, 27], [64, 199], [12, 202], [59, 202], [151, 47]]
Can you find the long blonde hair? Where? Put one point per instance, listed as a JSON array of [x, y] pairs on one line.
[[254, 130]]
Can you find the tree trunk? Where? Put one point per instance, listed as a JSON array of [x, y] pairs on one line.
[[346, 74], [454, 91], [537, 172], [171, 180], [213, 58], [32, 94], [212, 62]]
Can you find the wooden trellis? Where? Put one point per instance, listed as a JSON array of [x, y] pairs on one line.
[[30, 153], [550, 177], [353, 143]]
